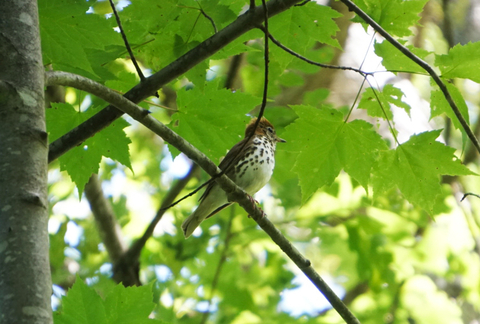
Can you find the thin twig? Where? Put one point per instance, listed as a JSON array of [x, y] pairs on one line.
[[209, 18], [127, 45], [266, 58], [392, 130], [190, 194], [356, 99], [363, 82], [303, 58], [215, 30], [265, 81], [330, 66], [421, 63], [469, 194], [366, 52]]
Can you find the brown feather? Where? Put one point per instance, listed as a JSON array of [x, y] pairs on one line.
[[233, 154]]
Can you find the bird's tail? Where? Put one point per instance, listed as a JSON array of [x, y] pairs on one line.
[[213, 202], [204, 209], [192, 222]]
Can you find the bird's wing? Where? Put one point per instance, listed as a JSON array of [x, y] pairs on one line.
[[218, 209], [232, 154]]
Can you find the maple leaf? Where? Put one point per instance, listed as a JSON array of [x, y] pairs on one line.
[[415, 168], [325, 144]]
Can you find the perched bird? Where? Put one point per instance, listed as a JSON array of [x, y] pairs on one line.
[[251, 169]]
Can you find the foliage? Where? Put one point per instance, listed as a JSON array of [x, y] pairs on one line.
[[121, 305], [374, 214]]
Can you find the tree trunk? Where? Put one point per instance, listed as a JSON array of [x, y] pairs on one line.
[[25, 282]]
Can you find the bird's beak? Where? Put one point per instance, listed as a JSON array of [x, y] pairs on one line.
[[280, 140]]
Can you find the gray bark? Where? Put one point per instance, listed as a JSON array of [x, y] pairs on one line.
[[25, 282]]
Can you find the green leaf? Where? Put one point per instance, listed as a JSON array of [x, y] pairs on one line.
[[395, 16], [172, 28], [236, 47], [197, 75], [415, 168], [67, 34], [325, 145], [378, 103], [212, 121], [394, 60], [124, 82], [300, 27], [140, 18], [83, 161], [61, 118], [129, 305], [358, 145], [462, 61], [221, 13], [81, 305]]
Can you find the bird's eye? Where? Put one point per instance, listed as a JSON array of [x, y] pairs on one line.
[[270, 129]]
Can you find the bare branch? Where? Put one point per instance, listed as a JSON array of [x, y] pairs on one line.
[[108, 226], [110, 232]]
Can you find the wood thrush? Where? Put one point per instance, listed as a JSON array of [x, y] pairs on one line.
[[251, 169]]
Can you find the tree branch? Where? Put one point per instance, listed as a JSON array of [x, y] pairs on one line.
[[109, 228], [110, 231], [105, 117], [131, 256], [405, 51], [234, 193]]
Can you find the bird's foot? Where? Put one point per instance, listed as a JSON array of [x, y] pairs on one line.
[[255, 202]]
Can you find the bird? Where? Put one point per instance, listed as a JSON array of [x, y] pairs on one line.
[[249, 165]]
